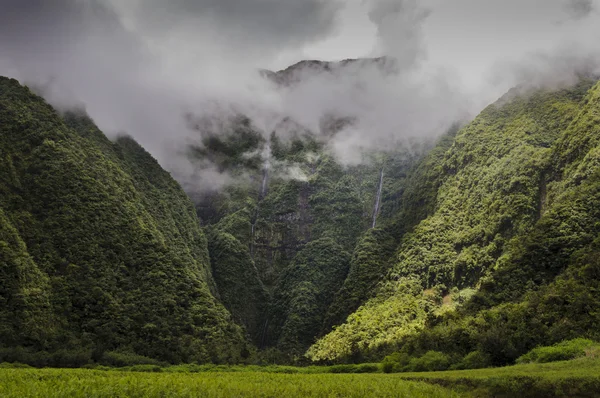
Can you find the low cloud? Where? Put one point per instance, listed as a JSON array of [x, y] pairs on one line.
[[144, 66]]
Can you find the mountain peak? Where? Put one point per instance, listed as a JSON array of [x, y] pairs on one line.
[[295, 73]]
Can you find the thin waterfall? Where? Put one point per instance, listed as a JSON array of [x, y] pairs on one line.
[[378, 201], [265, 180], [262, 194], [263, 189]]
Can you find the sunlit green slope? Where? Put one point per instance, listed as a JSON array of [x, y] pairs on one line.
[[506, 258]]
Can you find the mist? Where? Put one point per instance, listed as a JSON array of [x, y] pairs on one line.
[[139, 67]]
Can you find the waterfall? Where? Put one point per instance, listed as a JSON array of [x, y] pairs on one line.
[[262, 194], [378, 201], [265, 179], [263, 189]]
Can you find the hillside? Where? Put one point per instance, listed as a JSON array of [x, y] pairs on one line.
[[482, 245], [101, 251], [506, 259], [282, 241]]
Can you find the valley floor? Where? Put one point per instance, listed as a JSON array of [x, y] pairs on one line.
[[575, 378], [62, 383]]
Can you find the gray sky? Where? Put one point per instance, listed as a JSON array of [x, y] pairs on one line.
[[139, 65], [473, 36]]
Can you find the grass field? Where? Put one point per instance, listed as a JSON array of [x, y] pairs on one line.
[[49, 383], [575, 378]]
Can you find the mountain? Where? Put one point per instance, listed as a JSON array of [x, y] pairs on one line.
[[282, 237], [506, 258], [101, 251], [299, 71], [483, 244], [281, 242]]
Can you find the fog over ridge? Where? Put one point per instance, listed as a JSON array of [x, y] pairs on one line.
[[140, 66]]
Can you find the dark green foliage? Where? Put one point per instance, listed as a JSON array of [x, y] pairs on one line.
[[308, 197], [25, 314], [411, 184], [239, 285], [395, 362], [101, 248], [60, 358], [306, 290], [473, 360], [429, 362], [337, 211]]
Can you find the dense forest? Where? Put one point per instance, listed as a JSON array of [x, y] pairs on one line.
[[475, 248], [102, 254]]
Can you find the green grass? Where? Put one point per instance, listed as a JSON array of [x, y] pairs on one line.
[[575, 378], [563, 351], [362, 368], [48, 383]]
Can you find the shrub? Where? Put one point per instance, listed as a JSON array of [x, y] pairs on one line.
[[395, 362], [402, 362], [474, 360], [367, 368], [342, 369], [431, 361], [61, 358], [562, 351], [70, 358]]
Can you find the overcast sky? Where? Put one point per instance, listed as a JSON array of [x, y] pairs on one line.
[[471, 36], [206, 39], [138, 65]]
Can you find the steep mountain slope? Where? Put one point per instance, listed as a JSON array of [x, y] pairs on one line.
[[516, 202], [294, 219], [482, 246], [100, 248]]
